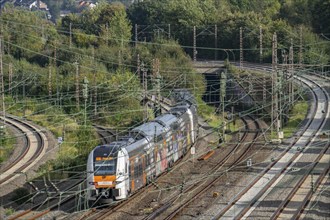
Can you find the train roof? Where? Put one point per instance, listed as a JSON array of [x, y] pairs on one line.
[[179, 109], [184, 95], [108, 149], [166, 119], [150, 129]]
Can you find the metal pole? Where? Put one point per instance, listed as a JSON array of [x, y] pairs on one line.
[[194, 45], [158, 78], [274, 60], [223, 80], [156, 81], [145, 87], [94, 84], [275, 89], [2, 85], [136, 35], [240, 47], [56, 74], [10, 77], [300, 47], [77, 85], [260, 41], [264, 90], [50, 80], [23, 78], [291, 73], [215, 42], [85, 95]]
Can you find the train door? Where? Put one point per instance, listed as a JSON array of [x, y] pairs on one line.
[[138, 172], [157, 160], [150, 165], [143, 169], [132, 176], [188, 135], [175, 146], [180, 142], [163, 155]]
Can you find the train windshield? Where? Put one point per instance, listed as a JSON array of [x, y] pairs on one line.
[[105, 167]]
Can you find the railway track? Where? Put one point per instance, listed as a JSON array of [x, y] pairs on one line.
[[230, 160], [53, 202], [247, 135], [107, 135], [251, 198], [60, 197], [315, 159], [237, 154], [96, 213], [36, 143]]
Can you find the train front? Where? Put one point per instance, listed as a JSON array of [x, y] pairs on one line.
[[106, 174]]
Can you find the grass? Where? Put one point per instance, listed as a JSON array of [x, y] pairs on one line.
[[215, 121], [7, 142], [78, 140], [297, 115]]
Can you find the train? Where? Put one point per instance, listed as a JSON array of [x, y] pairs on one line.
[[118, 169]]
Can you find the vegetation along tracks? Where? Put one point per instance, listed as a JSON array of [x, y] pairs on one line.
[[106, 135], [258, 189], [36, 144], [236, 155], [308, 178]]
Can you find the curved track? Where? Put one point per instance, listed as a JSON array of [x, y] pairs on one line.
[[265, 194], [237, 154], [107, 135], [35, 147], [51, 203]]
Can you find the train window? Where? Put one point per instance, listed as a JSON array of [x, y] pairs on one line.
[[170, 146], [159, 138], [175, 126], [105, 167], [147, 159], [151, 157], [136, 170]]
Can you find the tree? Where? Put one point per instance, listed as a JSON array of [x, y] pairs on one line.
[[320, 11], [120, 27]]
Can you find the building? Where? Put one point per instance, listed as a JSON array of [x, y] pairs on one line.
[[39, 5]]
